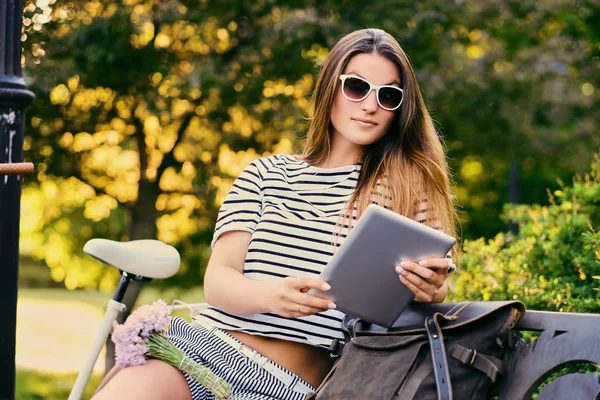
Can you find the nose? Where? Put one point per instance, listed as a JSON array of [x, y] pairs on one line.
[[369, 104]]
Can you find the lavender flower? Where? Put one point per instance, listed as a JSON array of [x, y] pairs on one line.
[[142, 336]]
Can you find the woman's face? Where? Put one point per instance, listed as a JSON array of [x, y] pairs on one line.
[[360, 123]]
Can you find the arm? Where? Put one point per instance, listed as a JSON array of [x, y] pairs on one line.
[[226, 287]]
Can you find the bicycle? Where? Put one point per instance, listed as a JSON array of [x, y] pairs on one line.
[[137, 260]]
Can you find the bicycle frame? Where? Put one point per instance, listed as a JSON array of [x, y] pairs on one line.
[[113, 309]]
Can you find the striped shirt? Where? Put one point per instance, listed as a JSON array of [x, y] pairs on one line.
[[292, 209]]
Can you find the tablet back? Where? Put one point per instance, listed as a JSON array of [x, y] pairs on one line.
[[362, 274]]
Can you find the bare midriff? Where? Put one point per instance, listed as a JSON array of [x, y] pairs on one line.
[[308, 362]]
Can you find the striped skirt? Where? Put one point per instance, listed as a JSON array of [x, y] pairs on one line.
[[252, 376]]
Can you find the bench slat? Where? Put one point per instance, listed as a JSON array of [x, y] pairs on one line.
[[572, 386], [566, 338]]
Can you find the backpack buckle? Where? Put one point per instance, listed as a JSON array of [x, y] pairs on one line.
[[473, 357], [335, 348]]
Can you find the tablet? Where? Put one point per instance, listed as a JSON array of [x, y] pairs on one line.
[[362, 272]]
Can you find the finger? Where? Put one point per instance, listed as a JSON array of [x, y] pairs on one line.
[[434, 276], [309, 282], [302, 310], [418, 282], [435, 262], [420, 295], [293, 310], [427, 274], [308, 300]]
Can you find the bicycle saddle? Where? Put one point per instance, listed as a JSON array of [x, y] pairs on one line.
[[148, 258]]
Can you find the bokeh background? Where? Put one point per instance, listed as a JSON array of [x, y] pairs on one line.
[[146, 110]]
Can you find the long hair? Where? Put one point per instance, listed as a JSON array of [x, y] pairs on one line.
[[407, 166]]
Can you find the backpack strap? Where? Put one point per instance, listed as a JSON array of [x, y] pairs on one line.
[[490, 366], [438, 357]]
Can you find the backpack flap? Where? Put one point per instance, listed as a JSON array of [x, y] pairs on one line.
[[467, 341], [456, 315]]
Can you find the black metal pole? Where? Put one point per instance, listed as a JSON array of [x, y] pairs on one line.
[[14, 98]]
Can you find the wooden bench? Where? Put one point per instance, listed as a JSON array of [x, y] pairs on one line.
[[565, 339]]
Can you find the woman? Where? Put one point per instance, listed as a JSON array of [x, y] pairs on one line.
[[371, 139]]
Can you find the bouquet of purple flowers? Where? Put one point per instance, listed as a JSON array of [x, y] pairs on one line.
[[142, 337]]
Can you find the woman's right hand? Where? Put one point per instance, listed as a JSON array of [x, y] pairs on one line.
[[289, 298]]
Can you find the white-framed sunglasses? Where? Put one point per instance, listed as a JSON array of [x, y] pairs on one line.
[[355, 88]]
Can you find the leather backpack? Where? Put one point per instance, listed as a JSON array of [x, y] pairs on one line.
[[432, 352]]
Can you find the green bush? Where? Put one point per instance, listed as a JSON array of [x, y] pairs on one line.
[[552, 263]]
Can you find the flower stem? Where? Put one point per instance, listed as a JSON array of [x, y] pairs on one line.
[[160, 348]]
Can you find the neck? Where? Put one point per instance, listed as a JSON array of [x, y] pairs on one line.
[[343, 152]]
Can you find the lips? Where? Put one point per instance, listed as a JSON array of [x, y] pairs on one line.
[[364, 121]]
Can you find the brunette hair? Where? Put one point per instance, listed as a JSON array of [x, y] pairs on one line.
[[406, 167]]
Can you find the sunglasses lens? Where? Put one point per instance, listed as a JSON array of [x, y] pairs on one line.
[[355, 89], [390, 97]]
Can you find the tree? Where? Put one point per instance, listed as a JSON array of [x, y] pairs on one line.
[[147, 110], [165, 90]]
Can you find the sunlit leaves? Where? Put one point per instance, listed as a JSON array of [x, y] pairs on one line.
[[60, 95], [285, 146], [471, 169], [233, 163], [177, 225], [85, 99], [316, 53], [146, 35], [241, 122], [50, 216], [113, 170], [99, 208], [553, 263], [173, 181], [162, 41], [158, 105], [588, 89]]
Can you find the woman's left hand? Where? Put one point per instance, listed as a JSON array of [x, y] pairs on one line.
[[425, 279]]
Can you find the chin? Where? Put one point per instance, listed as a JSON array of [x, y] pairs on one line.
[[364, 143], [361, 139]]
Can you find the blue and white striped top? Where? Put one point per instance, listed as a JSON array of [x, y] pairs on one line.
[[292, 210]]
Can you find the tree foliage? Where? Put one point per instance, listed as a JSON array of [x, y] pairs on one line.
[[146, 110], [553, 263]]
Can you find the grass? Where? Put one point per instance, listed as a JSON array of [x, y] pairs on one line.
[[55, 329], [32, 385], [99, 300]]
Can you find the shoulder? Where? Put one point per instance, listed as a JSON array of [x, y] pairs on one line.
[[275, 162]]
